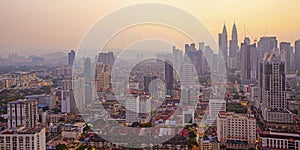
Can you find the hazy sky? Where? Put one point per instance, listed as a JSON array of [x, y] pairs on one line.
[[57, 25]]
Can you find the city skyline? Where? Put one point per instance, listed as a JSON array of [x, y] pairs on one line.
[[64, 28]]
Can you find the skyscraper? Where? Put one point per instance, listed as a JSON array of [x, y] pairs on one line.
[[286, 54], [266, 45], [177, 57], [297, 55], [248, 63], [195, 57], [88, 72], [71, 57], [106, 58], [272, 90], [223, 44], [169, 77], [233, 47]]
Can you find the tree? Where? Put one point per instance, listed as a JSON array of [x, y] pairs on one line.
[[61, 147]]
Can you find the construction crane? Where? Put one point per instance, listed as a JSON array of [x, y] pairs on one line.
[[252, 37]]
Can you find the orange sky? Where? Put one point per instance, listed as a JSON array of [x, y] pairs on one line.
[[61, 24]]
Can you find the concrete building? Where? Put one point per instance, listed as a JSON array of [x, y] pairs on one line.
[[236, 131], [169, 77], [102, 77], [23, 112], [23, 79], [23, 139], [277, 140], [248, 63], [71, 57], [266, 45], [209, 143], [214, 107], [286, 54], [106, 58], [297, 56], [273, 90]]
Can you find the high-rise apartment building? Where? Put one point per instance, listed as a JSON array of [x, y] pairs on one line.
[[23, 138], [23, 112], [273, 90], [102, 77]]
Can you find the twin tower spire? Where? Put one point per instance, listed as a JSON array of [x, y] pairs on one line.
[[233, 44]]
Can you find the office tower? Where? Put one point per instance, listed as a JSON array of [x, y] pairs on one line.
[[223, 44], [233, 48], [23, 138], [169, 77], [208, 53], [88, 72], [192, 55], [187, 75], [201, 46], [297, 55], [102, 77], [71, 57], [272, 90], [177, 57], [106, 58], [214, 107], [266, 45], [236, 131], [286, 54], [148, 83], [23, 112], [248, 63]]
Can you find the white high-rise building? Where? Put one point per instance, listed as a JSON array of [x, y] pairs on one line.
[[273, 90], [23, 112], [23, 139], [236, 128], [214, 107]]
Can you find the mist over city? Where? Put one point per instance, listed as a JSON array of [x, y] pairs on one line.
[[149, 74]]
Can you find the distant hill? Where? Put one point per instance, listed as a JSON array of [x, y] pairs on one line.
[[54, 56]]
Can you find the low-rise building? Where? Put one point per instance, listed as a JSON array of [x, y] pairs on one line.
[[73, 131], [209, 143], [276, 140]]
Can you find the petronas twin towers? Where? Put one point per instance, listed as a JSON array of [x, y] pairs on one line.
[[229, 58]]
